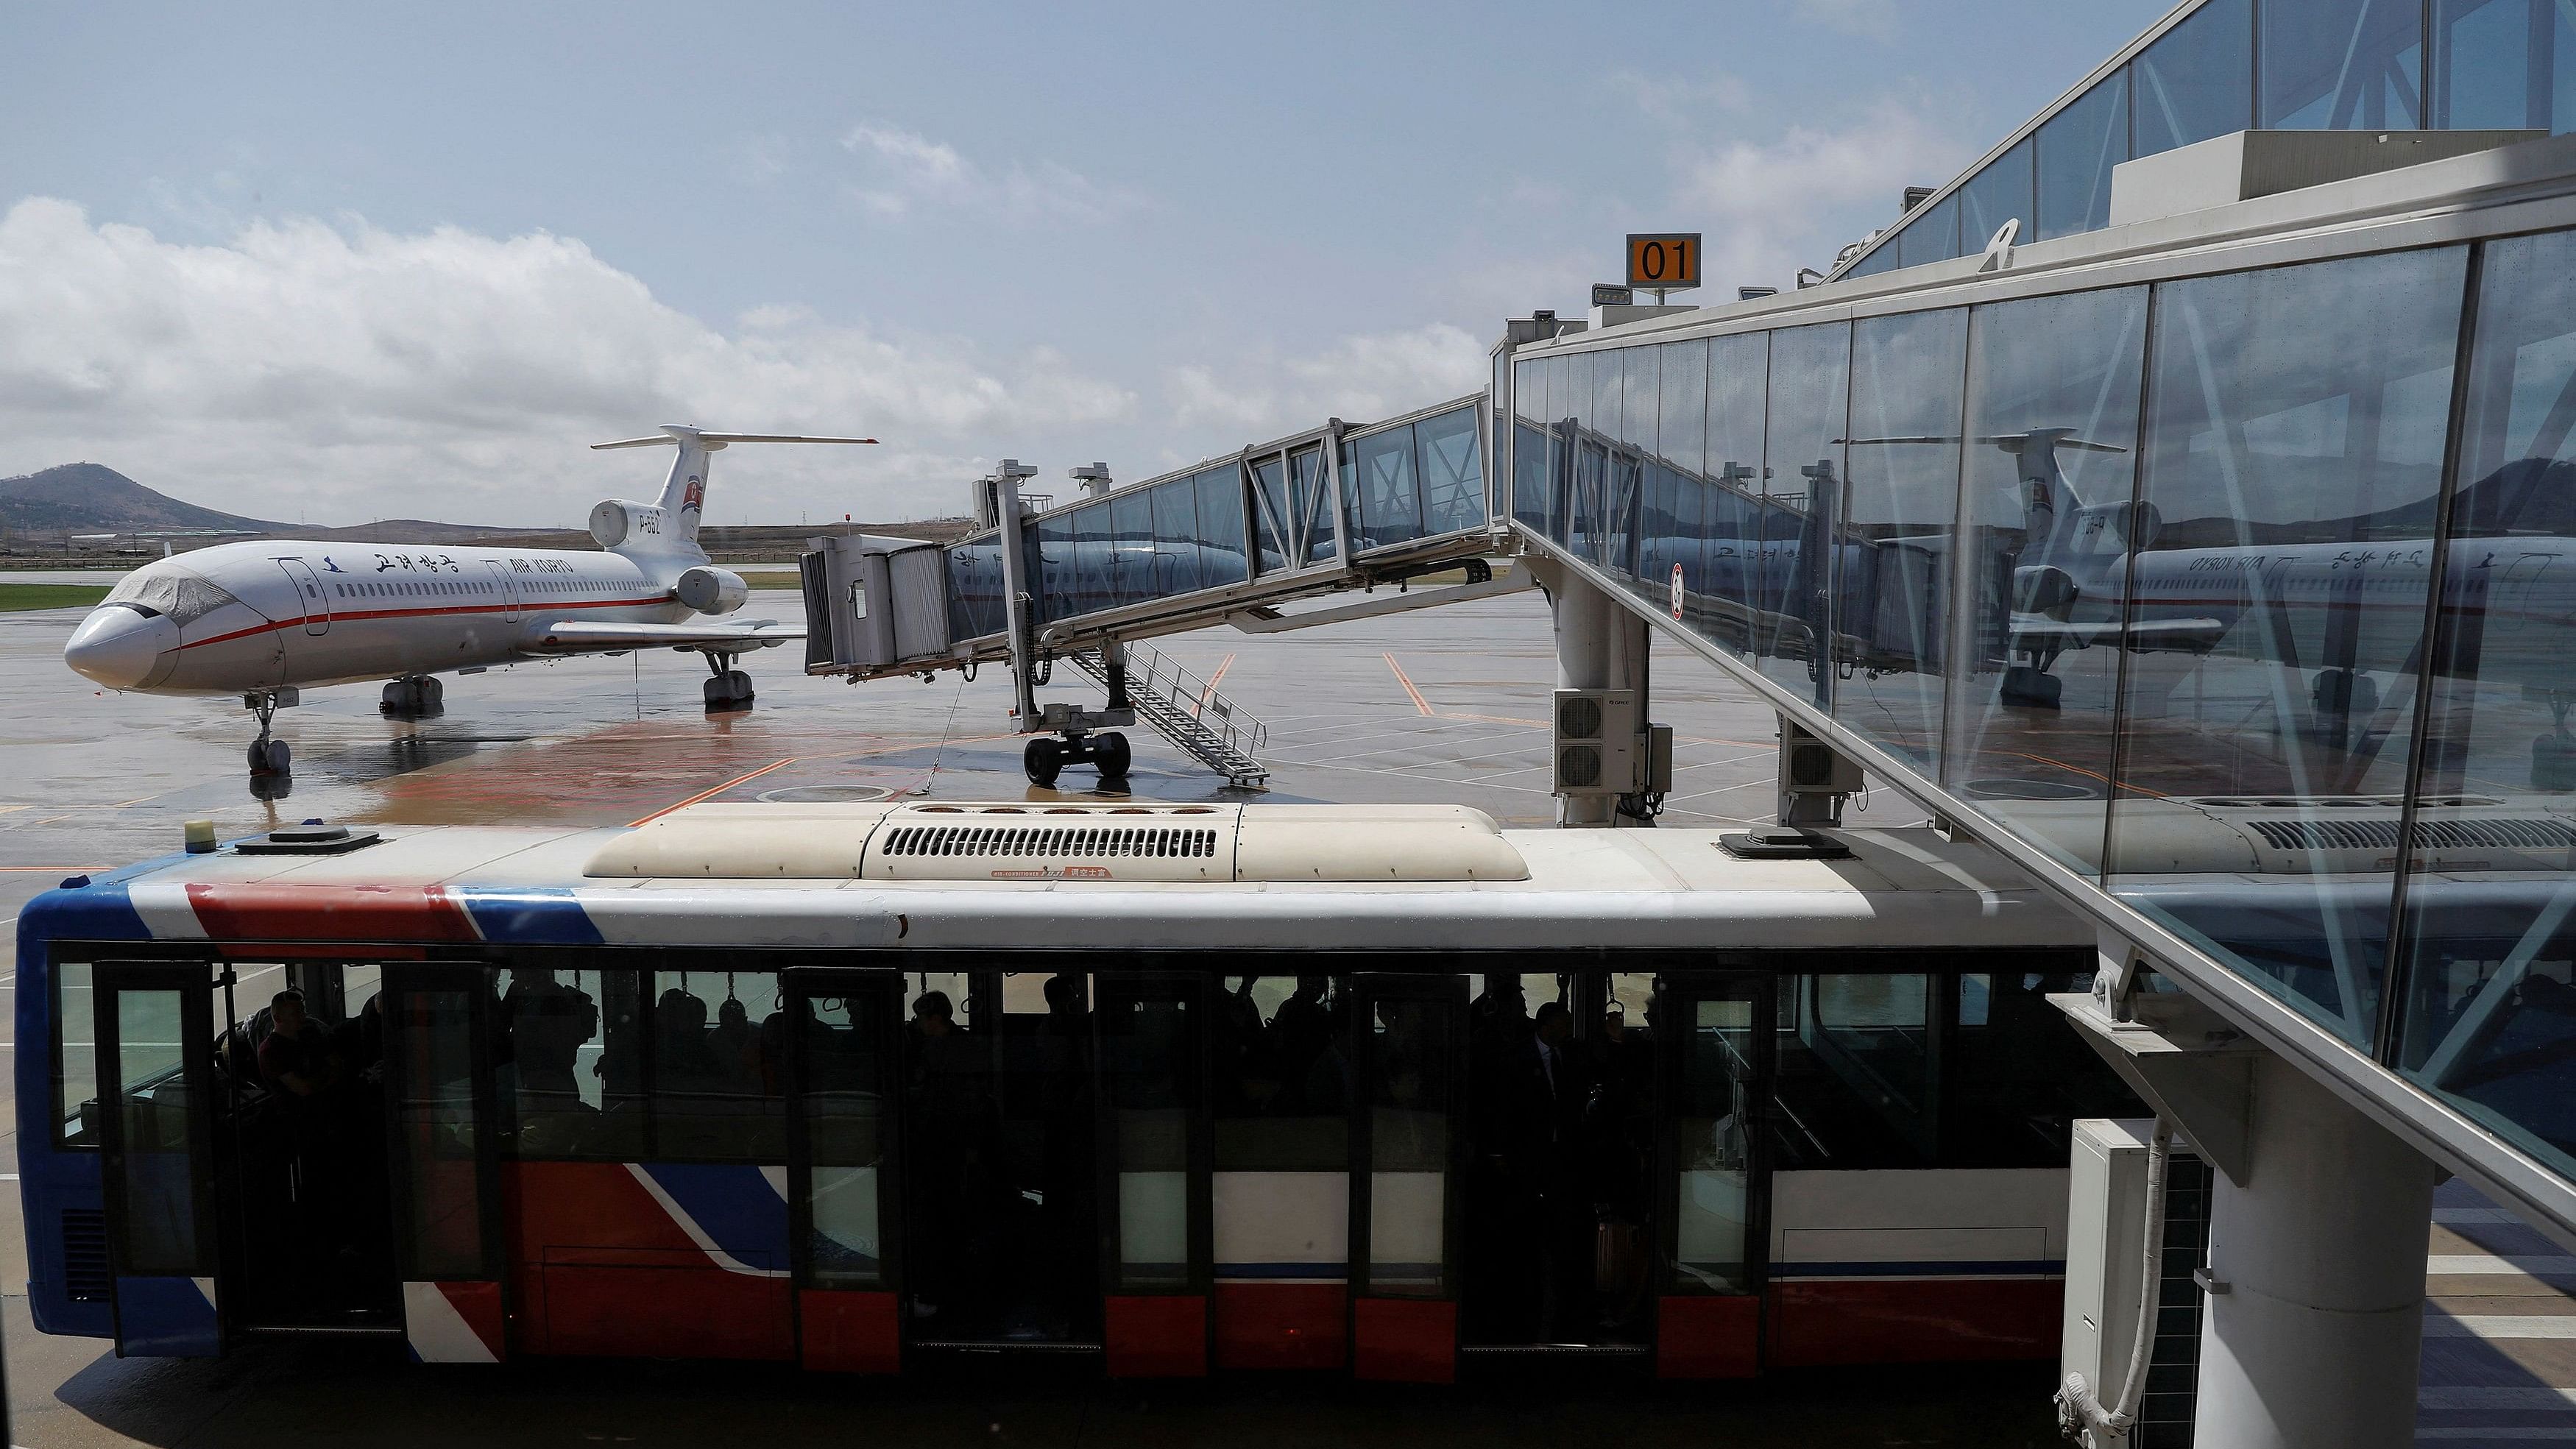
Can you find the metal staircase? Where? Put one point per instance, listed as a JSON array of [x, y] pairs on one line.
[[1190, 713]]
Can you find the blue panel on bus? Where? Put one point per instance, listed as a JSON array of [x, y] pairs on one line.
[[166, 1318], [98, 911], [529, 915], [733, 1208]]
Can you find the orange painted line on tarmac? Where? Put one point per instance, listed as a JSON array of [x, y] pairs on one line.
[[1222, 666], [1419, 702], [718, 790]]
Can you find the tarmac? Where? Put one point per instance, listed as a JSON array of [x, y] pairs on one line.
[[1446, 705]]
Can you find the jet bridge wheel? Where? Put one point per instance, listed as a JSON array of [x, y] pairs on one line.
[[1109, 751], [1044, 760]]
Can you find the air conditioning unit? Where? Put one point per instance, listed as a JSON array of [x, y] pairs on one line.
[[1811, 767], [1599, 741]]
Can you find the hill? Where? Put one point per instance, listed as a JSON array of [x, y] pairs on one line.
[[93, 498]]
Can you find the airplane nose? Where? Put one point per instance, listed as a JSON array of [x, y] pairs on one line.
[[120, 647]]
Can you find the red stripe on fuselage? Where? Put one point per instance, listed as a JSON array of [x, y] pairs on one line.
[[329, 913], [361, 615]]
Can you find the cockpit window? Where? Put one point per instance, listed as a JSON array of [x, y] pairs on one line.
[[180, 596]]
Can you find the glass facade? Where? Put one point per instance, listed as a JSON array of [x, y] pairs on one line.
[[2326, 65], [2224, 591], [1173, 536]]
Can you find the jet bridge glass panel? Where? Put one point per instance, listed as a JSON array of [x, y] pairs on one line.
[[2293, 456], [2043, 558], [2503, 65], [2490, 964], [2338, 65], [1892, 561]]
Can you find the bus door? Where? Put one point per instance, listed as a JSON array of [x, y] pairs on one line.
[[1156, 1149], [845, 1091], [1408, 1048], [1714, 1173], [155, 1035], [443, 1160]]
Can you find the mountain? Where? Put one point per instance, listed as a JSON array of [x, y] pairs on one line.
[[91, 498]]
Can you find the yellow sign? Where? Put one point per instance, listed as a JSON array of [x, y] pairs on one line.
[[1663, 259]]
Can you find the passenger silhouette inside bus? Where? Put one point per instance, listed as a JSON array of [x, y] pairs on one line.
[[303, 1108]]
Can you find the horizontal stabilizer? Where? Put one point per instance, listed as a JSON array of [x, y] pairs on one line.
[[718, 440]]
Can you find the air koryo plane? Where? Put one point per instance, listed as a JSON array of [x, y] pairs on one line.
[[265, 620]]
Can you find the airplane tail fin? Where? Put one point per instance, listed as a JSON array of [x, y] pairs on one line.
[[684, 496]]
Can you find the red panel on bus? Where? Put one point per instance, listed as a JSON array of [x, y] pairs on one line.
[[850, 1333], [1159, 1337], [329, 913], [1915, 1320], [603, 1269], [1405, 1340], [1708, 1336], [639, 1303], [1282, 1325]]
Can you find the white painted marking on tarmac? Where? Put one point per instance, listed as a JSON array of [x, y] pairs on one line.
[[2477, 1263], [2493, 1398], [2502, 1325]]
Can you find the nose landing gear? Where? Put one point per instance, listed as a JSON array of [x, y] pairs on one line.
[[270, 756]]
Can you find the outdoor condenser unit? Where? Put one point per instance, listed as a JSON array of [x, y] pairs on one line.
[[2106, 1209], [1598, 742]]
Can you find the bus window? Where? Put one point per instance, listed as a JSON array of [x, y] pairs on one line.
[[574, 1063], [1713, 1143], [1855, 1073], [2020, 1075], [434, 1123], [846, 1118], [1282, 1086], [155, 1097], [76, 1059], [711, 1084], [1413, 1059], [358, 986], [1147, 1068]]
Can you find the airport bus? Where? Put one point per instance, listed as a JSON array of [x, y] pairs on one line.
[[1366, 1090]]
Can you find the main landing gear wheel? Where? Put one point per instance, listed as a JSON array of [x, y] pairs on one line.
[[270, 757], [729, 689], [413, 696]]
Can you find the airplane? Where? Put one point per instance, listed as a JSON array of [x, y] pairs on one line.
[[266, 620]]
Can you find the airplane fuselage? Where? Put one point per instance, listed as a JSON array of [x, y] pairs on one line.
[[284, 614]]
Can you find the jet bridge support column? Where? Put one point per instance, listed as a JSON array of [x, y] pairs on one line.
[[1599, 645], [2311, 1333]]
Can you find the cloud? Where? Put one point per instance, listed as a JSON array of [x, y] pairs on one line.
[[1867, 19], [1681, 100], [1769, 206], [759, 160], [348, 373], [904, 171], [1358, 378]]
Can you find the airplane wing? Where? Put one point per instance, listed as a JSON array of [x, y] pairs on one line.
[[592, 636]]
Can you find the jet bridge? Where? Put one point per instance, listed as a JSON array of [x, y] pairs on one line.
[[1338, 509]]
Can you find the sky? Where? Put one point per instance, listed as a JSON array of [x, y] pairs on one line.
[[336, 262]]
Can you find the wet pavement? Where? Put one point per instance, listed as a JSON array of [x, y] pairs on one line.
[[1436, 706]]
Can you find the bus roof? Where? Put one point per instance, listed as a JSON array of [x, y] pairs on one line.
[[1623, 889]]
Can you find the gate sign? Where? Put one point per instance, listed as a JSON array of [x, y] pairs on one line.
[[1677, 591], [1665, 260]]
